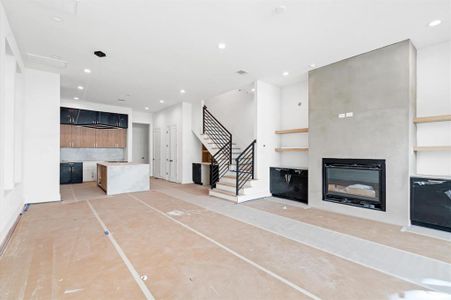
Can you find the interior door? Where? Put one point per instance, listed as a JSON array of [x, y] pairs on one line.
[[172, 153], [157, 152]]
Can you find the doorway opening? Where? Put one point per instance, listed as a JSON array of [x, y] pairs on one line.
[[140, 149]]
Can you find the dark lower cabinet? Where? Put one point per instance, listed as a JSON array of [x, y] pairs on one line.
[[197, 173], [289, 183], [71, 172], [430, 202]]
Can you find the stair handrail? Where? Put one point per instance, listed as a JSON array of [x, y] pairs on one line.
[[221, 161], [246, 173]]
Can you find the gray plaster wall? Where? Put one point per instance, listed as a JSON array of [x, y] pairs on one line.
[[379, 87]]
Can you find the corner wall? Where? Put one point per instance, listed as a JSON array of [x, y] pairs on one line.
[[378, 88]]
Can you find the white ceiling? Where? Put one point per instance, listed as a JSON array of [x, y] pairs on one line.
[[155, 48]]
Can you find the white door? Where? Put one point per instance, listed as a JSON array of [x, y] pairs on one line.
[[157, 152], [171, 153]]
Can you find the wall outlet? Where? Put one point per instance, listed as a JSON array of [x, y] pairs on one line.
[[341, 116], [349, 114]]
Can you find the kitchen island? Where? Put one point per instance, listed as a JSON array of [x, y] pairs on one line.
[[123, 177]]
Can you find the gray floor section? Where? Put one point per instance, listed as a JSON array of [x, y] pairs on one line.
[[424, 271]]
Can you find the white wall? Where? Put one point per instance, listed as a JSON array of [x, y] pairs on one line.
[[41, 136], [434, 98], [236, 111], [191, 146], [11, 133], [267, 121], [294, 114]]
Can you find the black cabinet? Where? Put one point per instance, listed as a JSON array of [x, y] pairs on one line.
[[289, 183], [123, 121], [109, 119], [71, 172], [68, 115], [87, 117], [197, 173], [430, 202]]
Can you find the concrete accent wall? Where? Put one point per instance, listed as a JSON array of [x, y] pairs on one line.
[[379, 88]]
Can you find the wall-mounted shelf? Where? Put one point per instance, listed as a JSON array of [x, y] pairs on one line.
[[432, 148], [291, 149], [295, 130], [431, 119]]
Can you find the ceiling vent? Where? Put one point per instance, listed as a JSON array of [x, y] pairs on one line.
[[46, 61], [241, 72], [99, 53]]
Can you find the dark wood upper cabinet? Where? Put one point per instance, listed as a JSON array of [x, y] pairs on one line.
[[68, 115], [91, 118], [106, 118], [123, 121], [87, 117]]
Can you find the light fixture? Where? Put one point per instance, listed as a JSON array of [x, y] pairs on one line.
[[435, 23], [87, 71], [57, 19], [222, 46], [146, 108], [76, 98], [285, 73], [280, 9], [161, 101], [253, 90], [312, 66], [80, 87], [182, 91]]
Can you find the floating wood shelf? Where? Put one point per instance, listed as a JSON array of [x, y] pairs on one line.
[[431, 119], [432, 148], [295, 130], [291, 149]]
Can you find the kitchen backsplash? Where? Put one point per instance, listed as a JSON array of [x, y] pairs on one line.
[[94, 154]]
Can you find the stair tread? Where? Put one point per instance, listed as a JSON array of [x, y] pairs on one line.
[[225, 192]]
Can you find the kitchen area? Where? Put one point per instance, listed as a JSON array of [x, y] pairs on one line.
[[93, 148]]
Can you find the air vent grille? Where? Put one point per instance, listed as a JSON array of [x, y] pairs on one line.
[[241, 72]]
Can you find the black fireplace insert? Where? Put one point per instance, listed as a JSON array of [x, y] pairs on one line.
[[356, 182]]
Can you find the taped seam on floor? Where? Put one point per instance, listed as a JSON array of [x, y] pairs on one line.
[[121, 253], [254, 264]]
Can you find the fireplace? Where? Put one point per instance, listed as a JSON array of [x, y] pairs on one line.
[[356, 182]]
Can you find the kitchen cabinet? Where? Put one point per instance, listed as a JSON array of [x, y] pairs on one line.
[[111, 138], [87, 117], [83, 137], [123, 121], [68, 115], [66, 136], [106, 118], [289, 183], [71, 172]]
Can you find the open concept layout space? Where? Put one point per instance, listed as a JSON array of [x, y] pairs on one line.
[[225, 149]]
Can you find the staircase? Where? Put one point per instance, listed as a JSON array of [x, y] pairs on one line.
[[232, 170]]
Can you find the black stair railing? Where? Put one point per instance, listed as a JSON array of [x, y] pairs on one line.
[[222, 139], [245, 166]]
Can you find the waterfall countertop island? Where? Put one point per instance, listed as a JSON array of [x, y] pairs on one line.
[[123, 177]]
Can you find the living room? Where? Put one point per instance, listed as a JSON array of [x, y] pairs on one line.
[[302, 151]]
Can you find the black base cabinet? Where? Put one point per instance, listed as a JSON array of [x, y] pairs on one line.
[[197, 173], [71, 172], [289, 183], [430, 202]]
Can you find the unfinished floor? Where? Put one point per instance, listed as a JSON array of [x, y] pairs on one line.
[[176, 242]]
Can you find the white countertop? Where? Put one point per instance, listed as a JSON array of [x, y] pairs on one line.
[[117, 164]]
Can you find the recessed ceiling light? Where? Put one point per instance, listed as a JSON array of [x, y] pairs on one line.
[[222, 46], [57, 19], [312, 66], [182, 91], [252, 90], [76, 98], [285, 73], [80, 87], [88, 71], [146, 108], [435, 23], [280, 9], [161, 101]]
